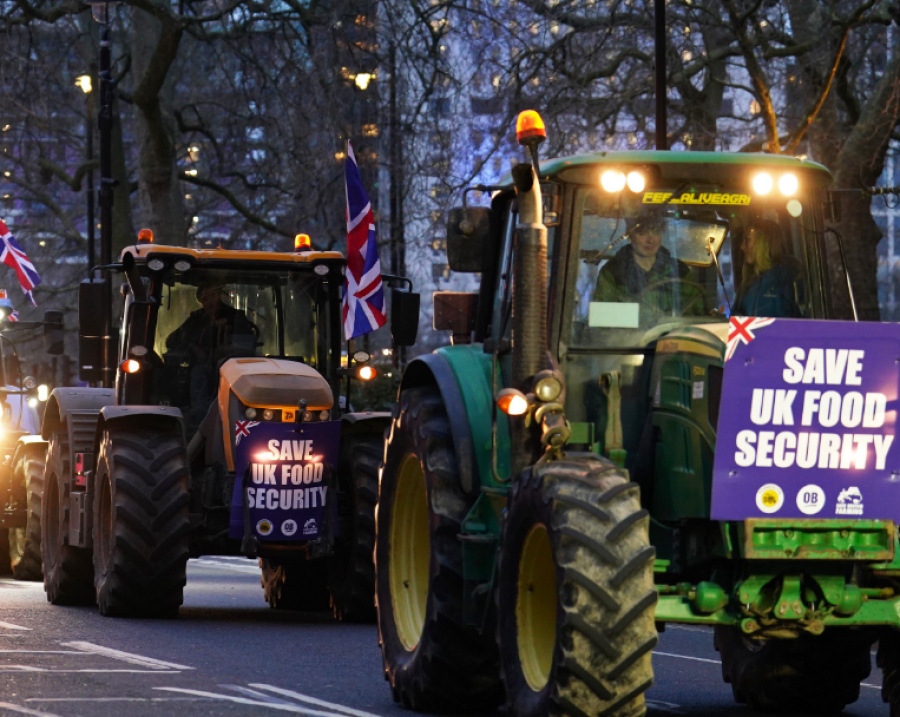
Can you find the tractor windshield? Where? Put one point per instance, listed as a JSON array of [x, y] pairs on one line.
[[674, 256], [225, 314]]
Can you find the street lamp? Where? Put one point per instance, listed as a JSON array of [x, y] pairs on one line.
[[100, 13], [84, 82]]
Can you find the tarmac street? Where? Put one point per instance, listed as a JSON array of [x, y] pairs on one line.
[[229, 654]]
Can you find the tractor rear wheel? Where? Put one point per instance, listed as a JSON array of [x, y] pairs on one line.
[[818, 674], [67, 569], [575, 594], [432, 659], [888, 659], [25, 543], [351, 571], [294, 583], [141, 523]]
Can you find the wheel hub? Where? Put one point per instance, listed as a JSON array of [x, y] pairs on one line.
[[410, 552], [536, 607]]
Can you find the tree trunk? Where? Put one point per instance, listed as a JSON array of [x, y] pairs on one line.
[[160, 195]]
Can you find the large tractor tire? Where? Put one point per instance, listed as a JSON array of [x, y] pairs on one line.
[[141, 523], [351, 571], [294, 584], [575, 593], [888, 659], [432, 659], [25, 543], [68, 573], [809, 674]]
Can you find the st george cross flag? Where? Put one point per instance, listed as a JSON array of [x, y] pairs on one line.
[[363, 307], [12, 255]]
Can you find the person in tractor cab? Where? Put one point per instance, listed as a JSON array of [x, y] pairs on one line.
[[214, 332], [768, 275], [645, 272]]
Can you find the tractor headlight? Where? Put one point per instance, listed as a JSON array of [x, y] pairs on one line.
[[636, 181], [268, 414], [250, 413], [762, 183], [547, 386], [788, 185], [612, 180], [324, 415]]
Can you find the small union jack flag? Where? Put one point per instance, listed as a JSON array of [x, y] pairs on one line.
[[363, 305], [242, 428], [14, 256], [740, 331]]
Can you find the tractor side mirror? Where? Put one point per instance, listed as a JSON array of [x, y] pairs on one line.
[[404, 317], [471, 238], [53, 332], [93, 315]]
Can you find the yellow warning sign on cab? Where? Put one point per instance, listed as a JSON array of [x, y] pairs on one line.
[[697, 198]]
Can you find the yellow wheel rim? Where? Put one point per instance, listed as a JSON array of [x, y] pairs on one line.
[[536, 605], [410, 552]]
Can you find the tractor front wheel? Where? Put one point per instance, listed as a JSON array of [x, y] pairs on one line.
[[351, 571], [817, 674], [141, 523], [575, 594], [433, 660], [67, 569], [25, 543]]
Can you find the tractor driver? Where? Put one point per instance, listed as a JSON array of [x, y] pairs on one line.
[[210, 333], [645, 272]]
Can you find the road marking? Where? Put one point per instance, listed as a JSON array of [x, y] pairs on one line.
[[718, 662], [115, 699], [28, 668], [659, 706], [688, 628], [25, 710], [130, 657], [245, 566], [282, 706], [312, 700], [10, 626], [687, 657]]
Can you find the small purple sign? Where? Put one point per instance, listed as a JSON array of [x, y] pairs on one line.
[[286, 467], [807, 421]]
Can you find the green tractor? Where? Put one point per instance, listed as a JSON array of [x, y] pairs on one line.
[[551, 494]]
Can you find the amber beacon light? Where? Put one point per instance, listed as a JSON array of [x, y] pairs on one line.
[[530, 127]]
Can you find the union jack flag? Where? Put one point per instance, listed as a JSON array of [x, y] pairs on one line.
[[242, 428], [363, 305], [740, 331], [14, 256]]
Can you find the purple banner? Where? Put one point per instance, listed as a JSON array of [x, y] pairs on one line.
[[807, 421], [287, 465]]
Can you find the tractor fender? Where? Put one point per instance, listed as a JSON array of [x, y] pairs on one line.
[[63, 401], [26, 445], [365, 422], [131, 416], [470, 413]]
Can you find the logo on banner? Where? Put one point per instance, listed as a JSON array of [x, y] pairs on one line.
[[770, 498], [289, 527], [310, 527], [264, 526], [849, 502], [810, 499]]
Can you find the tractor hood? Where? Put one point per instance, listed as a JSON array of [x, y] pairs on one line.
[[276, 383], [700, 339]]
